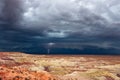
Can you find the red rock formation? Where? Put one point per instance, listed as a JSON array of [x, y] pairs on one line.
[[23, 74]]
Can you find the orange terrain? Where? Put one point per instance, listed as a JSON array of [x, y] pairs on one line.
[[21, 66]]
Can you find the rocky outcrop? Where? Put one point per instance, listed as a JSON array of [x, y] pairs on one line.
[[18, 73]]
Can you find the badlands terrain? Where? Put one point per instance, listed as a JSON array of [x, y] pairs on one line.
[[21, 66]]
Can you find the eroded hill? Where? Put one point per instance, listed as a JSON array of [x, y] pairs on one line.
[[20, 66]]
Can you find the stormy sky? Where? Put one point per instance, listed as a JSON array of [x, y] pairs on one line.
[[64, 26]]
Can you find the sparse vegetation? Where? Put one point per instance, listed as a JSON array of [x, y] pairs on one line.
[[43, 67]]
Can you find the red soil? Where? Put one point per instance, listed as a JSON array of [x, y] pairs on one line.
[[18, 73], [11, 70]]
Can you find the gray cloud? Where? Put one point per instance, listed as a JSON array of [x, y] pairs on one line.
[[79, 16], [67, 20], [10, 11]]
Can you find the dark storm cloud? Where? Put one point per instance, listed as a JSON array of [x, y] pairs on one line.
[[67, 23], [53, 18], [10, 11], [81, 17]]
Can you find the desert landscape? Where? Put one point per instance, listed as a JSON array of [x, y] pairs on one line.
[[21, 66]]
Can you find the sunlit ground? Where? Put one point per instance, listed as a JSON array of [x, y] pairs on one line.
[[59, 67]]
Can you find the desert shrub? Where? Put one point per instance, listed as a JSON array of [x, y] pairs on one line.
[[118, 75]]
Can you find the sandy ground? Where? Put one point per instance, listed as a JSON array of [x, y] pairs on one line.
[[21, 66]]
